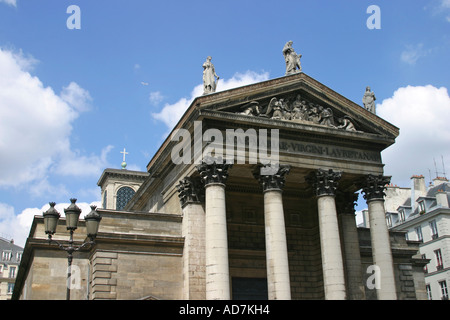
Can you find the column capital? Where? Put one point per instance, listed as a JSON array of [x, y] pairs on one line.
[[190, 190], [324, 182], [374, 186], [213, 170], [272, 181]]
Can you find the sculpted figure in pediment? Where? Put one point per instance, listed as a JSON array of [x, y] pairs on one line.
[[327, 118], [346, 124], [251, 109], [299, 110]]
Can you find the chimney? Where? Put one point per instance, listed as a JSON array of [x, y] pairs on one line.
[[439, 180], [442, 199], [418, 189]]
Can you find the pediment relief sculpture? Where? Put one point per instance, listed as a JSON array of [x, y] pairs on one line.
[[299, 110]]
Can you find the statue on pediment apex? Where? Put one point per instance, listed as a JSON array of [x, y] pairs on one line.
[[292, 59]]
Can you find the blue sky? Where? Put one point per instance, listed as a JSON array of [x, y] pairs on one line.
[[72, 99]]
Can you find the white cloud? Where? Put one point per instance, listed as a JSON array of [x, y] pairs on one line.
[[10, 2], [412, 53], [440, 8], [172, 113], [155, 97], [36, 124], [18, 226], [76, 97], [421, 113], [75, 164]]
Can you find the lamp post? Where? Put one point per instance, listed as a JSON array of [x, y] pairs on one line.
[[72, 212]]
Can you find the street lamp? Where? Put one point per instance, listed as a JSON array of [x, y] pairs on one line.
[[72, 212]]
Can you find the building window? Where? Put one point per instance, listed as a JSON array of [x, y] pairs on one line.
[[10, 288], [6, 255], [439, 262], [422, 207], [124, 195], [429, 292], [401, 216], [18, 256], [389, 220], [419, 233], [425, 268], [434, 231], [444, 290], [12, 272]]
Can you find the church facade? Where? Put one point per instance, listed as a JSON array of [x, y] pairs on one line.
[[251, 197]]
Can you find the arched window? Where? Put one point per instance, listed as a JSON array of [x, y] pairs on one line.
[[124, 195]]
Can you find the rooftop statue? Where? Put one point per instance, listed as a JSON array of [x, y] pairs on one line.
[[209, 77], [292, 59], [369, 100]]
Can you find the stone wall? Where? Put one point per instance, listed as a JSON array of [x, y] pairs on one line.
[[136, 275], [408, 266]]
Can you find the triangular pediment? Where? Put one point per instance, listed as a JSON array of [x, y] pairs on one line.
[[295, 100]]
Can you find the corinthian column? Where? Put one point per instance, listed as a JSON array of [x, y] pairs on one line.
[[278, 282], [191, 194], [345, 204], [381, 246], [214, 175], [325, 184]]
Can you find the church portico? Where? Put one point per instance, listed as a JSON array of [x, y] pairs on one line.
[[273, 227], [293, 228], [263, 189]]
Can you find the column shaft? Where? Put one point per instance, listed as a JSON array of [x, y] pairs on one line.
[[191, 195], [325, 184], [352, 257], [332, 265], [381, 250], [278, 281], [345, 204], [194, 252], [381, 246], [216, 244]]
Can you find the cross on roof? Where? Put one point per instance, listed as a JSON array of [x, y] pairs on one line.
[[124, 153]]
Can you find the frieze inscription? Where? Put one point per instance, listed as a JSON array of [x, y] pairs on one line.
[[328, 151]]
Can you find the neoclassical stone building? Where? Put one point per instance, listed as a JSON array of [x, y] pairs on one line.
[[213, 218]]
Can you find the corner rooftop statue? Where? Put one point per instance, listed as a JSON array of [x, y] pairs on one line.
[[209, 77]]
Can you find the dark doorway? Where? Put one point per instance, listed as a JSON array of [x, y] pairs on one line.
[[249, 289]]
